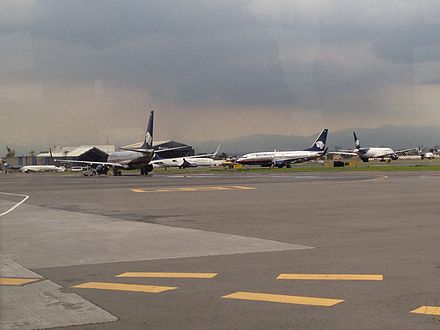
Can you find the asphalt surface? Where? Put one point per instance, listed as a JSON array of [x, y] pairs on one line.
[[246, 227]]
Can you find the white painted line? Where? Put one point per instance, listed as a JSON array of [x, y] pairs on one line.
[[16, 205]]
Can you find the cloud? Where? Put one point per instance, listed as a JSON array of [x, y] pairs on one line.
[[301, 60]]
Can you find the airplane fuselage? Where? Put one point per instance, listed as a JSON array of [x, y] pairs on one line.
[[181, 161], [271, 158], [130, 159], [375, 152], [42, 168]]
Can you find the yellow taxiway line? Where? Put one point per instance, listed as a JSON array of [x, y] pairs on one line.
[[17, 281], [428, 310], [167, 275], [334, 277], [192, 189], [124, 287], [285, 299]]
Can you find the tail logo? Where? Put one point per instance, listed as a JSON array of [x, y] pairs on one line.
[[320, 145], [148, 139]]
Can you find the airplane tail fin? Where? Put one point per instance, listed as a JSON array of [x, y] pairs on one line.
[[148, 140], [356, 141], [320, 142]]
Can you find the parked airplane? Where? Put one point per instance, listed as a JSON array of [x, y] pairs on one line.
[[189, 161], [286, 158], [425, 155], [129, 158], [371, 152], [32, 168]]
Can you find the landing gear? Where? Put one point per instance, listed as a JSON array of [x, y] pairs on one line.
[[146, 169], [117, 172]]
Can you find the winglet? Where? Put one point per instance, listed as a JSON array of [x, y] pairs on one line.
[[216, 151]]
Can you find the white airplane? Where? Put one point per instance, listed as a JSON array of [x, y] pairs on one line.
[[286, 158], [189, 161], [129, 158], [425, 155], [371, 152], [33, 168], [42, 168]]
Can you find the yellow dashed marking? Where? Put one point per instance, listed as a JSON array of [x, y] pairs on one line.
[[17, 281], [337, 277], [124, 287], [428, 310], [168, 275], [192, 189], [285, 299], [138, 190]]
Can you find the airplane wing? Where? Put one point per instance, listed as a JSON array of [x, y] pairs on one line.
[[151, 150], [295, 160], [86, 162], [343, 152], [207, 155], [404, 150]]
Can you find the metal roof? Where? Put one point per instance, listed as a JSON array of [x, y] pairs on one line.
[[60, 152]]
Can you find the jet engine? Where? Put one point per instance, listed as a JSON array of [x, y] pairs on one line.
[[279, 163], [101, 169], [394, 157]]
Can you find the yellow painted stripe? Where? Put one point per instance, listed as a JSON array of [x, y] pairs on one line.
[[341, 277], [17, 281], [243, 187], [138, 190], [124, 287], [285, 299], [219, 188], [428, 310], [191, 189], [167, 275]]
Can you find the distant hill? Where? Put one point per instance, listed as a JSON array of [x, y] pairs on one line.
[[398, 137], [393, 136]]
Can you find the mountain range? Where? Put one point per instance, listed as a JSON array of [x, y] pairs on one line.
[[397, 137]]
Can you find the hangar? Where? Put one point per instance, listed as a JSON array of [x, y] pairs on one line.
[[97, 153]]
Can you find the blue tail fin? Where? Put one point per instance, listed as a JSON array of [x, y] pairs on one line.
[[148, 141], [319, 144], [356, 141]]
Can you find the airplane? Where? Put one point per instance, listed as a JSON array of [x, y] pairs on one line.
[[365, 153], [42, 168], [425, 155], [286, 158], [188, 161], [128, 158], [32, 168]]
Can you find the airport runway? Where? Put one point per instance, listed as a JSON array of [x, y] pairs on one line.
[[209, 250]]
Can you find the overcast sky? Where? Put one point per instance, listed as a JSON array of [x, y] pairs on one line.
[[83, 71]]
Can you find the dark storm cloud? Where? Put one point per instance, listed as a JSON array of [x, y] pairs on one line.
[[185, 52], [228, 52]]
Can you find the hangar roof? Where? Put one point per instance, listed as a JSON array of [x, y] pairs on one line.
[[59, 152]]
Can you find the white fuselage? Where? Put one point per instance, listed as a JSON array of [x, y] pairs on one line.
[[269, 158], [374, 152], [130, 159], [42, 168], [180, 161]]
